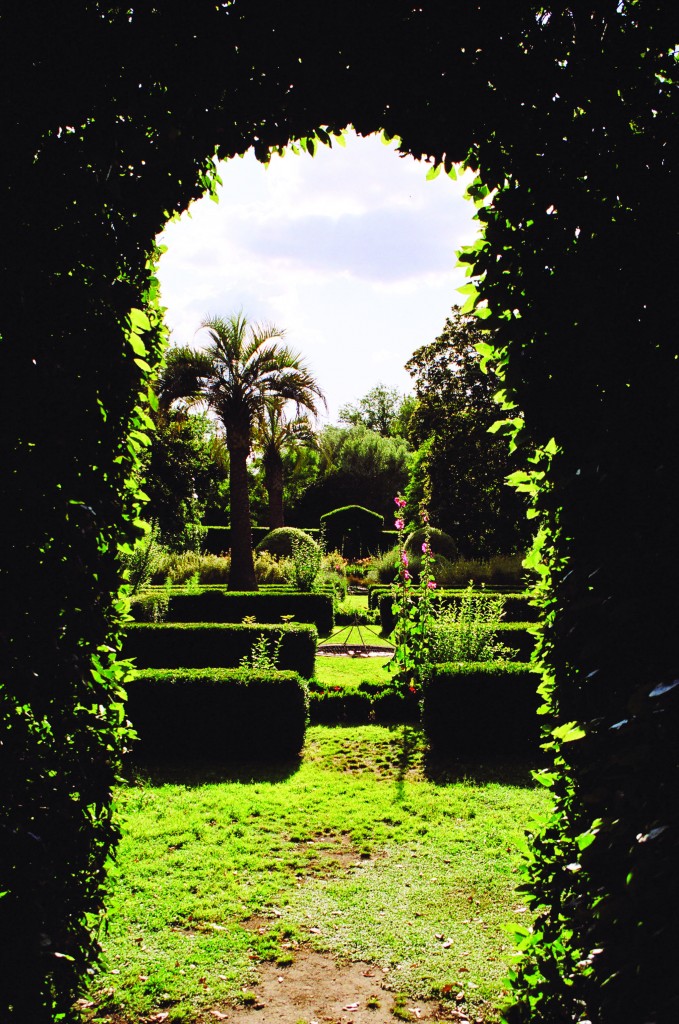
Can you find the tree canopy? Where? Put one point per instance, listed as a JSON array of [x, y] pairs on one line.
[[462, 471], [242, 373]]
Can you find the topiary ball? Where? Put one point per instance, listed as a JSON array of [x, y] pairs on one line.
[[279, 541], [440, 542]]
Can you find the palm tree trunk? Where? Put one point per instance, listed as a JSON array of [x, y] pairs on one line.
[[242, 575], [273, 473]]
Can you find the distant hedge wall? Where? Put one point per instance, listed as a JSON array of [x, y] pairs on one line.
[[216, 645], [353, 530], [217, 714], [232, 606], [475, 710], [365, 704]]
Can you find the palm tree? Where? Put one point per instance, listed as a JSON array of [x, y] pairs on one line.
[[274, 434], [244, 367]]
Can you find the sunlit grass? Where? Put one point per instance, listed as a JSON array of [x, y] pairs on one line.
[[354, 843]]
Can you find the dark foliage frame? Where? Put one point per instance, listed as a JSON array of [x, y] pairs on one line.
[[111, 117]]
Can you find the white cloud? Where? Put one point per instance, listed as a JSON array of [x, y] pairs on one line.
[[344, 250]]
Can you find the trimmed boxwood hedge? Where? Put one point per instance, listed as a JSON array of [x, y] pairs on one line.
[[217, 644], [517, 607], [487, 710], [354, 530], [367, 703], [267, 606], [217, 715]]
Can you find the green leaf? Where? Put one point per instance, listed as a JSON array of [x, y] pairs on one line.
[[433, 172], [452, 173], [139, 321], [569, 733]]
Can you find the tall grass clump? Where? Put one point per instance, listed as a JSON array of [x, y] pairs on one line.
[[304, 564], [466, 630]]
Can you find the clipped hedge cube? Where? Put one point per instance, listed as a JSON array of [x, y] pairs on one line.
[[217, 715], [478, 710], [217, 645]]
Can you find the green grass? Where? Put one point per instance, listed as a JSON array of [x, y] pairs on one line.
[[353, 851], [349, 673]]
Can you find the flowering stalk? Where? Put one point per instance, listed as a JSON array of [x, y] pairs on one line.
[[412, 608]]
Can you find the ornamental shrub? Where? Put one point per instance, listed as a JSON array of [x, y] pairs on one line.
[[279, 541], [353, 530], [440, 542], [304, 563]]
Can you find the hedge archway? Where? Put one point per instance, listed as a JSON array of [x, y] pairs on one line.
[[111, 117]]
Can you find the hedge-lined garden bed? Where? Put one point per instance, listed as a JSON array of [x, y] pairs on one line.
[[516, 607], [485, 710], [217, 715], [218, 645]]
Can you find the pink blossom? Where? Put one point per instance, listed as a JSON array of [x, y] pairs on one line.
[[431, 585], [406, 575], [399, 524], [400, 501], [425, 517], [404, 558], [425, 548]]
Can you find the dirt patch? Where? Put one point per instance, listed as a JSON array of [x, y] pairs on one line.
[[316, 988]]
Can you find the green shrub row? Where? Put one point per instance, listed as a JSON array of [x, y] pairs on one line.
[[362, 705], [517, 607], [378, 590], [217, 715], [233, 606], [489, 710], [217, 645]]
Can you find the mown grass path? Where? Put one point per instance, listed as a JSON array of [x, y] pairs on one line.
[[354, 850]]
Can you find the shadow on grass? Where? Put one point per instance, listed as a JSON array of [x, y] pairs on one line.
[[443, 771], [199, 773]]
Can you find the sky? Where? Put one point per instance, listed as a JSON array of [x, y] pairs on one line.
[[352, 252]]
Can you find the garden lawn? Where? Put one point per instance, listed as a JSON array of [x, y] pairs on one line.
[[348, 673], [353, 850]]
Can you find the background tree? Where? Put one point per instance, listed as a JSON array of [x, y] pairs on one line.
[[275, 435], [464, 467], [185, 475], [357, 466], [382, 409], [244, 367]]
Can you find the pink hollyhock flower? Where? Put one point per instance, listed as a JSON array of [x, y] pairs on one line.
[[404, 558], [431, 585], [406, 575], [400, 502], [425, 548], [425, 517], [399, 524]]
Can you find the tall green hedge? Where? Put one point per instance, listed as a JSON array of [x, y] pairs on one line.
[[353, 530], [266, 606], [217, 715], [482, 710], [217, 645]]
